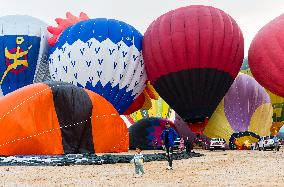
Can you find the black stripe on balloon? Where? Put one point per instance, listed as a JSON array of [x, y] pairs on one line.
[[73, 105], [196, 97], [236, 135]]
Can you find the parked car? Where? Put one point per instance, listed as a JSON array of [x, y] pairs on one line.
[[217, 143], [268, 142]]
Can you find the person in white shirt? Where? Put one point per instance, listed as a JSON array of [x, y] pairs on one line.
[[138, 161]]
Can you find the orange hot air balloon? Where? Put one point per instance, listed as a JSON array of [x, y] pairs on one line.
[[59, 118]]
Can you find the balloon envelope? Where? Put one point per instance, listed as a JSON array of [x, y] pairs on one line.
[[146, 132], [102, 55], [159, 109], [24, 50], [59, 118], [192, 55], [266, 56]]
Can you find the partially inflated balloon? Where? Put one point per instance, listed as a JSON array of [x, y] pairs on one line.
[[102, 55], [24, 49], [266, 56], [59, 118], [192, 56], [159, 109], [146, 132]]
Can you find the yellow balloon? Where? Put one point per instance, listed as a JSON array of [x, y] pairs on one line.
[[159, 109]]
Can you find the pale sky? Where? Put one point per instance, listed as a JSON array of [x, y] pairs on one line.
[[251, 15]]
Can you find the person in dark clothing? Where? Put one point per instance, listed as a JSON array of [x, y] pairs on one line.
[[187, 145], [168, 136]]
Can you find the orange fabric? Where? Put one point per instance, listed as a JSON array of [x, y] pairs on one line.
[[24, 113], [151, 91], [110, 133], [147, 103]]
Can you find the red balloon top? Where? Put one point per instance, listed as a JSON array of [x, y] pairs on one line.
[[266, 56], [193, 37]]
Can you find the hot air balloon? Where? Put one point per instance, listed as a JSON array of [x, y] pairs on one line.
[[59, 118], [192, 56], [242, 116], [159, 109], [24, 50], [146, 133], [102, 55], [266, 56], [276, 101]]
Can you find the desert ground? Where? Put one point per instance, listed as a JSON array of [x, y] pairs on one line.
[[218, 168]]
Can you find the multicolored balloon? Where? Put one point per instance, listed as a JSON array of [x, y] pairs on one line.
[[146, 133], [102, 55], [59, 118], [192, 56], [24, 52], [266, 56], [159, 109]]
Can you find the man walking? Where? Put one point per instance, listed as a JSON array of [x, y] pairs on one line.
[[168, 136]]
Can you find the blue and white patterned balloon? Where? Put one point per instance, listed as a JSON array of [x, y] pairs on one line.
[[102, 55]]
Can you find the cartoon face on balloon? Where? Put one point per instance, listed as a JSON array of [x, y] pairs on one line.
[[102, 55]]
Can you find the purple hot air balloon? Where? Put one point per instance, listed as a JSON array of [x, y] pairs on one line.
[[242, 100]]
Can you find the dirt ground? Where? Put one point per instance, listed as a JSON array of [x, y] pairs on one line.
[[218, 168]]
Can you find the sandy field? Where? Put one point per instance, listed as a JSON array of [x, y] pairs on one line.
[[218, 168]]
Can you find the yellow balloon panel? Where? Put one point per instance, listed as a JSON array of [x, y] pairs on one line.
[[260, 124], [218, 125], [278, 106], [159, 109]]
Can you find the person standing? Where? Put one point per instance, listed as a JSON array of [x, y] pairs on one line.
[[168, 136], [187, 145], [181, 145], [138, 161]]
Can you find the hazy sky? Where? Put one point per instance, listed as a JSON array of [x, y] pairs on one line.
[[251, 15]]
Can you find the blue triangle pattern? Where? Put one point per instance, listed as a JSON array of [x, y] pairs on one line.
[[100, 29], [119, 98]]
